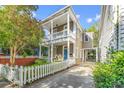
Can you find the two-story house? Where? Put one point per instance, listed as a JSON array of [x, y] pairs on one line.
[[65, 37]]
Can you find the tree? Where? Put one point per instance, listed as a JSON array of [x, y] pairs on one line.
[[94, 29], [18, 28]]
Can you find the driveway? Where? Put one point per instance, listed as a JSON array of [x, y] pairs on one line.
[[75, 77]]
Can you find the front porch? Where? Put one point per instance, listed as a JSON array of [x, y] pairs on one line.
[[59, 29], [59, 52]]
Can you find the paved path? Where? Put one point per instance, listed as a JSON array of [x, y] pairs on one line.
[[75, 77], [3, 82]]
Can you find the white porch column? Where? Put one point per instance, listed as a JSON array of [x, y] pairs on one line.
[[39, 50], [68, 24], [74, 50], [83, 55], [49, 54], [96, 54], [68, 30], [80, 53], [51, 41], [68, 48]]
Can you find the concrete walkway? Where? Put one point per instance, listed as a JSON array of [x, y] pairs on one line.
[[75, 77], [3, 82]]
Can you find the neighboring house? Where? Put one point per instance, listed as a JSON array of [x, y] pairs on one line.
[[65, 37], [111, 34], [89, 52]]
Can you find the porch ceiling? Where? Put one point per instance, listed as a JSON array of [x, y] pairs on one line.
[[60, 20]]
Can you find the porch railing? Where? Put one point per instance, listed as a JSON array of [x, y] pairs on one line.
[[23, 75], [58, 35]]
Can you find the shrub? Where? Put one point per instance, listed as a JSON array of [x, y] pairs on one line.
[[40, 62], [111, 72]]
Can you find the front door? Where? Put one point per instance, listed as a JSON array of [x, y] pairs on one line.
[[65, 53]]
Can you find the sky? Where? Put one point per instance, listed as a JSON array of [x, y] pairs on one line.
[[86, 14]]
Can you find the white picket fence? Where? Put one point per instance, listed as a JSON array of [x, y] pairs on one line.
[[23, 74], [1, 65]]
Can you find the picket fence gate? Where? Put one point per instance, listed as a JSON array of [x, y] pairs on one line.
[[27, 74]]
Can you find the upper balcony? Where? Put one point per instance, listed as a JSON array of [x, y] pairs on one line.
[[59, 29], [59, 37]]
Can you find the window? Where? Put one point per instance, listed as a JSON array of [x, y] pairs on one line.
[[86, 38]]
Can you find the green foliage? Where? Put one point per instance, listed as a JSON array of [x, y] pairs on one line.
[[111, 72], [94, 29], [28, 51], [40, 62], [18, 28], [44, 51]]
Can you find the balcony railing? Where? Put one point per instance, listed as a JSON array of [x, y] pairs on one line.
[[59, 35]]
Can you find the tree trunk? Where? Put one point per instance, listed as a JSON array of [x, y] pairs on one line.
[[12, 55]]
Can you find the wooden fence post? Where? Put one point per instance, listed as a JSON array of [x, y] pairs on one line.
[[21, 76], [32, 70], [29, 77], [25, 75]]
